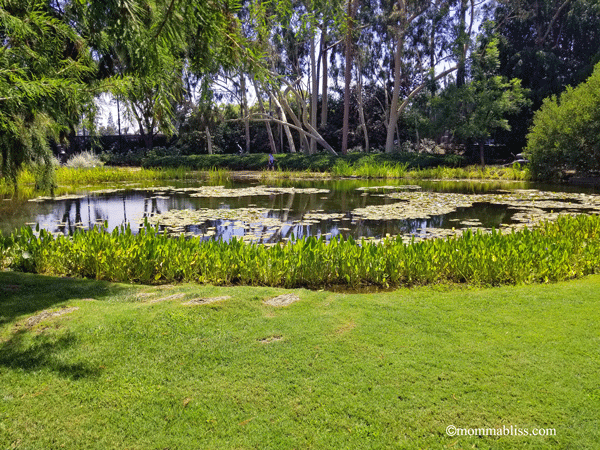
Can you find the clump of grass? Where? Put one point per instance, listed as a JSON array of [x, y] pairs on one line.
[[218, 174], [97, 175], [470, 173], [567, 248], [369, 169], [84, 160]]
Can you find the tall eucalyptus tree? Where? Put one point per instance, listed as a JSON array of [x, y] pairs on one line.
[[405, 18]]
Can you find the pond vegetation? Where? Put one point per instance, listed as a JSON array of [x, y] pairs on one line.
[[560, 250]]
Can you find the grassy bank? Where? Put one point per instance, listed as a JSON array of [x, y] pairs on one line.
[[561, 250], [331, 371], [379, 165], [68, 178], [221, 167]]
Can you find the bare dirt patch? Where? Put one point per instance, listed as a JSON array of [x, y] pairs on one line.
[[270, 339], [282, 300], [206, 301], [48, 314]]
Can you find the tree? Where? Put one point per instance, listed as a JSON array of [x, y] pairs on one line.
[[566, 131], [348, 54], [45, 84], [109, 129], [144, 46], [405, 17], [548, 44], [475, 110]]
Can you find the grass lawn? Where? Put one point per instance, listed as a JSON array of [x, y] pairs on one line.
[[135, 367]]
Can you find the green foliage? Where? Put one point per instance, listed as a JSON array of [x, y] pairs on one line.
[[474, 111], [44, 73], [361, 163], [561, 250], [566, 131]]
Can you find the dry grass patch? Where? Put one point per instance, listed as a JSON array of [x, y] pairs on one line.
[[206, 301], [48, 314], [348, 326], [168, 297], [282, 300]]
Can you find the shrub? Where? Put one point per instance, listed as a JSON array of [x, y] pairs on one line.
[[566, 131], [84, 160]]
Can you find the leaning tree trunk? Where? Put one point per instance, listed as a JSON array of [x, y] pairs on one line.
[[283, 122], [267, 124]]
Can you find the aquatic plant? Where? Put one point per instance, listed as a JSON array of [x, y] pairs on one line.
[[219, 174], [69, 177], [560, 250]]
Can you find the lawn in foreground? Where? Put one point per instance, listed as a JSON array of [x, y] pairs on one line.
[[135, 367]]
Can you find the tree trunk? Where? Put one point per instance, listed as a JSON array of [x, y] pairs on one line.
[[315, 91], [267, 124], [460, 73], [481, 153], [284, 123], [393, 117], [325, 78], [245, 112], [348, 76], [208, 140], [361, 111]]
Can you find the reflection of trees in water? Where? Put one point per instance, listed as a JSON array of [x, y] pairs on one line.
[[66, 225], [288, 208], [489, 214], [150, 207]]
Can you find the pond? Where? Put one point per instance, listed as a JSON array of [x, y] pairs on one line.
[[273, 211]]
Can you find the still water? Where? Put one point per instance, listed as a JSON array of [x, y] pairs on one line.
[[269, 212]]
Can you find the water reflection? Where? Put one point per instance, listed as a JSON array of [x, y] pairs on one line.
[[281, 216]]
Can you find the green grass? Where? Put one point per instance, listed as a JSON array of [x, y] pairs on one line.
[[332, 371]]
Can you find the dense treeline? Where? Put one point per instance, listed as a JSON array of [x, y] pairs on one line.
[[289, 76]]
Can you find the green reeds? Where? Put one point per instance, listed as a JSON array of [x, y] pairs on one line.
[[218, 174], [470, 173], [69, 177], [561, 250], [96, 175], [369, 169]]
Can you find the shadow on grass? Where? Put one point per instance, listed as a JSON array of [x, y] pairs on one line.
[[31, 353], [23, 294]]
